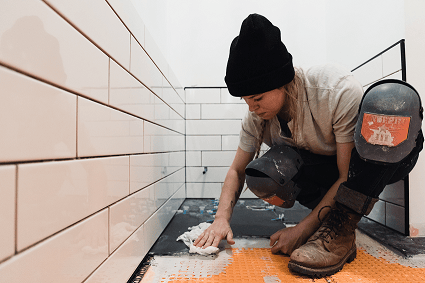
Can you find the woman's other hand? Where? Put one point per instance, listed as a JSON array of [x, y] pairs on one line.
[[287, 240]]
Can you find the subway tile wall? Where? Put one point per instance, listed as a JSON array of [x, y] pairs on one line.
[[390, 210], [213, 122], [92, 147]]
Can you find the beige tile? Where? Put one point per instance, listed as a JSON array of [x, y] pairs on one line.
[[54, 195], [123, 262], [7, 211], [36, 40], [128, 94], [129, 214], [168, 186], [69, 256], [107, 31], [146, 169], [155, 53], [159, 220], [37, 121], [106, 131], [129, 15], [160, 139], [143, 68]]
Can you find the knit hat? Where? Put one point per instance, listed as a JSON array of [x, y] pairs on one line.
[[258, 60]]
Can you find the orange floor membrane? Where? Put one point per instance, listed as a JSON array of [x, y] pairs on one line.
[[260, 265]]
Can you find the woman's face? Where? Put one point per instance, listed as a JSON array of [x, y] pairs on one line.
[[267, 104]]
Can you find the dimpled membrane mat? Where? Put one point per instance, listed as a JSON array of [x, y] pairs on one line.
[[260, 265]]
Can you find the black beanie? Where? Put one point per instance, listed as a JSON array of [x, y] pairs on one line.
[[258, 60]]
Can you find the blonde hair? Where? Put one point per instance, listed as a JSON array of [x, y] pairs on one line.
[[292, 91]]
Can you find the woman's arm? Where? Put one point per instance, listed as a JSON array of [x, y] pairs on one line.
[[287, 240], [232, 188]]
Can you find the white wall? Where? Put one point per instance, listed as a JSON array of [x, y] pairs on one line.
[[358, 30], [92, 141], [415, 63], [199, 32]]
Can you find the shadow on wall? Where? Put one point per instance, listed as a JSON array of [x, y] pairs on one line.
[[28, 43]]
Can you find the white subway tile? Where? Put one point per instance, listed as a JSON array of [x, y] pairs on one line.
[[391, 61], [106, 131], [131, 18], [7, 210], [202, 95], [227, 98], [230, 142], [395, 217], [123, 262], [159, 139], [223, 111], [213, 127], [143, 68], [181, 92], [193, 158], [218, 158], [41, 43], [70, 255], [129, 214], [193, 111], [203, 190], [37, 121], [203, 142], [146, 169], [129, 94], [170, 96], [213, 174], [176, 84], [370, 72], [54, 195], [107, 31]]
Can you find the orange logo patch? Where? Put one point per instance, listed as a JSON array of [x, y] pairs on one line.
[[385, 129], [274, 200]]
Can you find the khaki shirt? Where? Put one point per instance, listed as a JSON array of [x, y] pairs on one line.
[[329, 113]]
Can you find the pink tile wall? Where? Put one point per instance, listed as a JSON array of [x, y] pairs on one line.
[[92, 147]]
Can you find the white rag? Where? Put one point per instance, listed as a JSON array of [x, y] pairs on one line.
[[190, 236]]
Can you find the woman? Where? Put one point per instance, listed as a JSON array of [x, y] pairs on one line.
[[315, 112]]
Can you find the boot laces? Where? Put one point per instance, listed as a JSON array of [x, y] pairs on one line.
[[332, 225]]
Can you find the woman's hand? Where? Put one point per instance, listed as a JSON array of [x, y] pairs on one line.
[[219, 230], [287, 240]]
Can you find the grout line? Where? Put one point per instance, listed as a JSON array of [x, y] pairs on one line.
[[70, 91], [76, 128], [16, 210]]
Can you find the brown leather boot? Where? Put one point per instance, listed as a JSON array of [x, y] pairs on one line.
[[333, 244]]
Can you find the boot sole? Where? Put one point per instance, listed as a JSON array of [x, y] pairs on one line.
[[326, 271]]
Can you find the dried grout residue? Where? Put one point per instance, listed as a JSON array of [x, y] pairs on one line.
[[254, 263], [376, 250]]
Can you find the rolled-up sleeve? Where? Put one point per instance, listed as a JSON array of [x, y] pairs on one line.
[[248, 134], [348, 97]]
